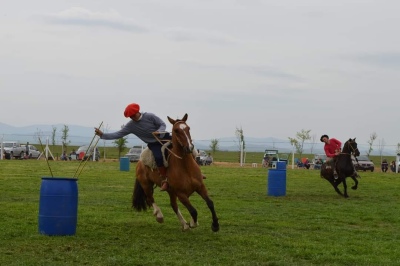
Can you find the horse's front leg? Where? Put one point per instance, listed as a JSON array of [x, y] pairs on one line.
[[355, 183], [215, 225], [193, 212], [174, 205]]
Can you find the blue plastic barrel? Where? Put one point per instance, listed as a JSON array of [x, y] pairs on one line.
[[276, 182], [58, 206], [124, 164], [281, 165]]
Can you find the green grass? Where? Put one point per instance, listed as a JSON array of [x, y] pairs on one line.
[[311, 225]]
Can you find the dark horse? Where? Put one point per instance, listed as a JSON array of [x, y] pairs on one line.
[[184, 178], [344, 167]]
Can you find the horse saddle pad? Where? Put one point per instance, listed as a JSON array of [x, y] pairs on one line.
[[148, 159]]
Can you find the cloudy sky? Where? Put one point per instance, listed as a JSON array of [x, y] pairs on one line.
[[269, 67]]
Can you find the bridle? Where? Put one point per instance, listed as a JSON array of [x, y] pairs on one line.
[[161, 141], [352, 150], [180, 122]]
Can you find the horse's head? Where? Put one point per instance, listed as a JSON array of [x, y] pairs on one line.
[[181, 133], [351, 147]]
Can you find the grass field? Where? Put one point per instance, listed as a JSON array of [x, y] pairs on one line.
[[311, 225]]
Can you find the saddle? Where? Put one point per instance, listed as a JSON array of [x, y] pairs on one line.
[[328, 167], [148, 159]]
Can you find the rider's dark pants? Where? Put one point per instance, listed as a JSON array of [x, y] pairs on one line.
[[155, 148]]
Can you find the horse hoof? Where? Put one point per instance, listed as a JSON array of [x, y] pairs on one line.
[[160, 219], [185, 228], [354, 188], [215, 228]]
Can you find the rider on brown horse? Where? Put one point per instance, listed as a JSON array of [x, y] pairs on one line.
[[143, 125]]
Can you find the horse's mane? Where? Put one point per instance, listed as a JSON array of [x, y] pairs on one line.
[[348, 147]]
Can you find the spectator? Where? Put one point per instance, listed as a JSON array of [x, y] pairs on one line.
[[299, 164], [393, 166], [27, 150], [64, 156], [265, 161], [307, 163], [317, 165], [72, 153], [384, 165]]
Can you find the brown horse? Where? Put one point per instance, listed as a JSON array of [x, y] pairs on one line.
[[184, 178], [344, 168]]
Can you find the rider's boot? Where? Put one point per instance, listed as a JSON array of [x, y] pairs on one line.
[[163, 175]]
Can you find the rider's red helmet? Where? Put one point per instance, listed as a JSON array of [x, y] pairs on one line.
[[131, 109]]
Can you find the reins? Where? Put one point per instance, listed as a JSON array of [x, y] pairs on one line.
[[351, 152], [161, 142]]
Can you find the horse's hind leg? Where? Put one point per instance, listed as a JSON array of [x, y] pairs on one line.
[[146, 190], [157, 213], [345, 188], [335, 186], [215, 223]]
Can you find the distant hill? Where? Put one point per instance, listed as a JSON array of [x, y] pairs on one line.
[[80, 135]]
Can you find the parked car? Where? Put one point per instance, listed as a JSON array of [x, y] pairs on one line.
[[364, 163], [32, 151], [83, 149], [273, 156], [203, 159], [134, 153], [13, 149]]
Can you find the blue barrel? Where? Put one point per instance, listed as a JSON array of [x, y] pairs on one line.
[[276, 182], [124, 164], [58, 206], [281, 165]]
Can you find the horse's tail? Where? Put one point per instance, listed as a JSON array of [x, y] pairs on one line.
[[139, 197]]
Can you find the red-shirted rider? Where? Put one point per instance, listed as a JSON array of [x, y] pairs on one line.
[[332, 148]]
